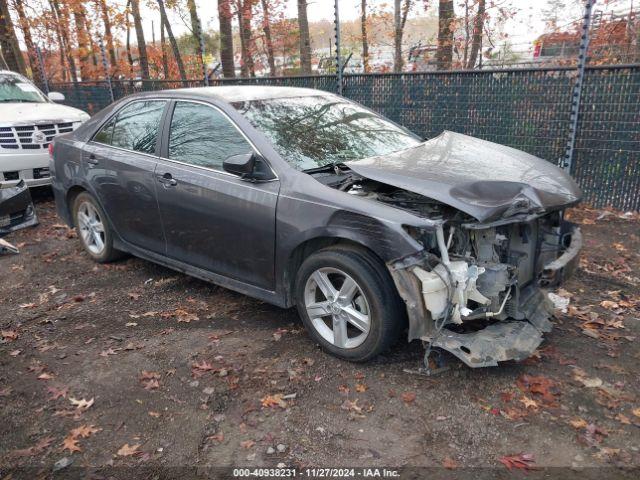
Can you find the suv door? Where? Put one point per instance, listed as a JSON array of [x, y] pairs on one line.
[[212, 219], [120, 163]]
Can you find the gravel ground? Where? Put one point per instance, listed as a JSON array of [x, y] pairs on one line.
[[131, 367]]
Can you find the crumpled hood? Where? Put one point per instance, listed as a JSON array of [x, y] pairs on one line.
[[19, 113], [486, 180]]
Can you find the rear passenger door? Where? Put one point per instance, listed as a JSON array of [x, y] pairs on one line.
[[120, 164], [212, 219]]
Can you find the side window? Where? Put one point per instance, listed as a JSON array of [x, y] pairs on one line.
[[136, 126], [201, 135], [105, 133]]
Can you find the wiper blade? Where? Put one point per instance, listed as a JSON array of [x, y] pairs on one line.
[[324, 168], [18, 100]]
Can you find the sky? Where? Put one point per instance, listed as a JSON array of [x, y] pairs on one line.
[[526, 26]]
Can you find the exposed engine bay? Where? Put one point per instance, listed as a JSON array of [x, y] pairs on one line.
[[475, 288]]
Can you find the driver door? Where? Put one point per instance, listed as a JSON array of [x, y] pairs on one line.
[[214, 220]]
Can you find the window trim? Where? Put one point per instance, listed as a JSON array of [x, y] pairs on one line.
[[167, 137], [114, 116]]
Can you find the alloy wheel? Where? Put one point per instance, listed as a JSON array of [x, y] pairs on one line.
[[91, 228], [337, 307]]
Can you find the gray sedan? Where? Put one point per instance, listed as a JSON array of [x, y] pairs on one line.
[[303, 198]]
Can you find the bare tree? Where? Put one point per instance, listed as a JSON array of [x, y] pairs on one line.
[[163, 49], [9, 47], [478, 27], [62, 17], [226, 39], [244, 11], [400, 13], [266, 28], [305, 40], [196, 30], [172, 40], [142, 45], [365, 40], [108, 35], [28, 41], [444, 53]]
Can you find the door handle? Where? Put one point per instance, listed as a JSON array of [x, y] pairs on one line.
[[92, 160], [167, 180]]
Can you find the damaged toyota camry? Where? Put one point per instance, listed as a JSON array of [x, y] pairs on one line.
[[303, 198]]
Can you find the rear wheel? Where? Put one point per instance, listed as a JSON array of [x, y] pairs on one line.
[[348, 303], [93, 229]]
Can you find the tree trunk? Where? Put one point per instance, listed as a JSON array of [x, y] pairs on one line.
[[163, 49], [128, 41], [266, 27], [82, 38], [365, 40], [108, 35], [244, 21], [226, 39], [28, 41], [143, 59], [172, 40], [478, 27], [444, 54], [9, 46], [305, 40], [63, 21], [61, 47], [399, 21], [196, 29]]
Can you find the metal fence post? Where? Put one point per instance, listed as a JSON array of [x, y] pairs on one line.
[[567, 161], [336, 20], [43, 72], [202, 58], [105, 65]]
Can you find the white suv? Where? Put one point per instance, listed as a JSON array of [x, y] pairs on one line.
[[28, 122]]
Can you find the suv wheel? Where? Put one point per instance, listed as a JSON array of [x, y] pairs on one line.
[[348, 303], [93, 229]]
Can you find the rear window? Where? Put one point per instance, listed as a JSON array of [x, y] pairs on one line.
[[135, 127]]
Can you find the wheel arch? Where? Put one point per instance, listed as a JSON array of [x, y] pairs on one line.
[[311, 245]]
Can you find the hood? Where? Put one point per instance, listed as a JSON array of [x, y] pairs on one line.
[[19, 113], [486, 180]]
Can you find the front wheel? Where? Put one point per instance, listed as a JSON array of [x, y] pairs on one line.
[[348, 303]]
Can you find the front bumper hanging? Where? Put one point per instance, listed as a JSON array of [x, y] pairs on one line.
[[510, 339]]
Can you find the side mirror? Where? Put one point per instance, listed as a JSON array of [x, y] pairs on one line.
[[56, 97], [241, 165]]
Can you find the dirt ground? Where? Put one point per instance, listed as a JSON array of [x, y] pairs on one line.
[[133, 365]]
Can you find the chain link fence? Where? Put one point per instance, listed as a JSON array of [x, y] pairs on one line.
[[528, 109]]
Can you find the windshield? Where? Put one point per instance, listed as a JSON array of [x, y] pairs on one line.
[[16, 89], [315, 131]]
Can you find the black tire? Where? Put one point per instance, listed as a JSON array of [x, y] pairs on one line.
[[387, 315], [108, 253]]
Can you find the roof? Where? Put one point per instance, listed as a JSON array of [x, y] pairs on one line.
[[241, 93]]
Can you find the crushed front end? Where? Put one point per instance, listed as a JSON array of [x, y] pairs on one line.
[[476, 290], [16, 208]]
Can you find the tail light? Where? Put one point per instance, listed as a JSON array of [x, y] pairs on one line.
[[51, 150]]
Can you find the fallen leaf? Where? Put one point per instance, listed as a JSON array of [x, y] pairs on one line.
[[540, 386], [361, 387], [408, 397], [622, 418], [82, 404], [45, 376], [56, 393], [636, 412], [247, 444], [449, 463], [134, 295], [127, 450], [71, 443], [578, 423], [529, 402], [84, 431], [154, 414], [28, 305], [15, 353], [273, 401], [9, 335], [522, 461]]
